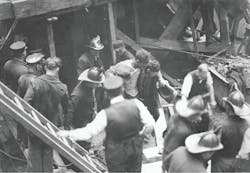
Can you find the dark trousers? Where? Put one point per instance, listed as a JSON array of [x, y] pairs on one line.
[[230, 164], [124, 156], [40, 156]]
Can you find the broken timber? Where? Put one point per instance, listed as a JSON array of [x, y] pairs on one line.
[[178, 45], [28, 8]]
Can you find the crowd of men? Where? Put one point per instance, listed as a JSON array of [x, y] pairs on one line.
[[118, 107]]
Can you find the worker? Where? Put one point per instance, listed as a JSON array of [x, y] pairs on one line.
[[199, 82], [148, 90], [233, 129], [124, 122], [86, 99], [35, 68], [193, 157], [16, 66], [48, 95], [92, 56], [184, 123], [121, 52]]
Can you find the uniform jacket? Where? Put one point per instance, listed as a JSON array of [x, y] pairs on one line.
[[81, 107], [178, 129], [180, 160], [233, 129], [13, 69], [49, 96], [23, 83]]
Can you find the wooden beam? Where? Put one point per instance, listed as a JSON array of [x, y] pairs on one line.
[[136, 20], [6, 11], [177, 24], [112, 30], [177, 45], [128, 41], [50, 32]]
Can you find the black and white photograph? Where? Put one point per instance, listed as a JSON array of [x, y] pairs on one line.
[[141, 86]]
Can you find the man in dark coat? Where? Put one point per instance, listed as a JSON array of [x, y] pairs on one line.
[[124, 122], [193, 157], [86, 100], [91, 58], [184, 123], [148, 88], [233, 129], [35, 67], [49, 96], [16, 66]]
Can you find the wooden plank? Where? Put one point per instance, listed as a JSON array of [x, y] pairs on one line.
[[128, 41], [178, 23], [112, 30], [136, 20], [178, 45], [6, 11], [50, 33]]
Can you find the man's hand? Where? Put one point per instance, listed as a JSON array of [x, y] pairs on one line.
[[63, 133], [163, 83], [213, 104]]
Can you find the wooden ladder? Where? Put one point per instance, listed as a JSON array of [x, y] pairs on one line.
[[15, 107]]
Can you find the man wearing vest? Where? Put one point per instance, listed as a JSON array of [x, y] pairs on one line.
[[198, 82], [124, 122]]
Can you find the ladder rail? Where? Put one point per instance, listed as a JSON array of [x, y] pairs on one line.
[[27, 107], [29, 123], [48, 138]]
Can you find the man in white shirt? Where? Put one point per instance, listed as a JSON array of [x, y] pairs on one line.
[[124, 122], [198, 82]]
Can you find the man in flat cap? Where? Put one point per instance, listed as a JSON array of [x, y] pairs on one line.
[[35, 69], [91, 58], [16, 66], [124, 122], [121, 52], [49, 96]]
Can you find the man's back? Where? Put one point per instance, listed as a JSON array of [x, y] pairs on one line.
[[13, 69], [180, 160], [48, 95]]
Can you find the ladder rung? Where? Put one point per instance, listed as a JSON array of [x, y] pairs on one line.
[[90, 160], [35, 117], [1, 91], [66, 142], [19, 104], [50, 128]]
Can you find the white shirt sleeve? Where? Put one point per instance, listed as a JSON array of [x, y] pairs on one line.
[[92, 129], [187, 85], [209, 79], [146, 118]]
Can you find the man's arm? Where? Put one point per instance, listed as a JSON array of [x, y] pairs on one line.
[[30, 93], [86, 133], [146, 118], [211, 89], [186, 86]]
